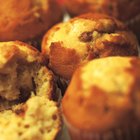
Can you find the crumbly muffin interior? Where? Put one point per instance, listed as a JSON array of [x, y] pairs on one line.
[[19, 79], [37, 119], [27, 89]]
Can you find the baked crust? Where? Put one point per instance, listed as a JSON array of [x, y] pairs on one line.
[[105, 92], [36, 16], [89, 36], [8, 50]]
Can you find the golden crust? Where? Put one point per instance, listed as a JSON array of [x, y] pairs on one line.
[[9, 50], [84, 38], [105, 92], [36, 16]]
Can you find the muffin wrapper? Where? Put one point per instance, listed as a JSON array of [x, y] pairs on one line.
[[131, 132]]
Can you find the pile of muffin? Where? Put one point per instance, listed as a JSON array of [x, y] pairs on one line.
[[83, 73]]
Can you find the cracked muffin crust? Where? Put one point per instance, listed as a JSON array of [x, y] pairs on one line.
[[106, 93], [84, 38], [35, 18]]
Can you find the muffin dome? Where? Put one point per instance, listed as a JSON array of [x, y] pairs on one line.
[[84, 38], [106, 93], [36, 16]]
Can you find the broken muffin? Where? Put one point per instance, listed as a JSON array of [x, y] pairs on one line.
[[27, 91]]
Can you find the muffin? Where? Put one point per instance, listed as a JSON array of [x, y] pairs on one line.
[[35, 18], [23, 72], [28, 94], [102, 100], [86, 37], [125, 10], [37, 119]]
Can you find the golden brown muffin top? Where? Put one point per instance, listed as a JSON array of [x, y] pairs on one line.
[[16, 49], [104, 94], [27, 19], [121, 9], [86, 37]]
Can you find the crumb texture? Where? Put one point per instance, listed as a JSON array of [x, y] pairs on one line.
[[27, 90], [37, 119]]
